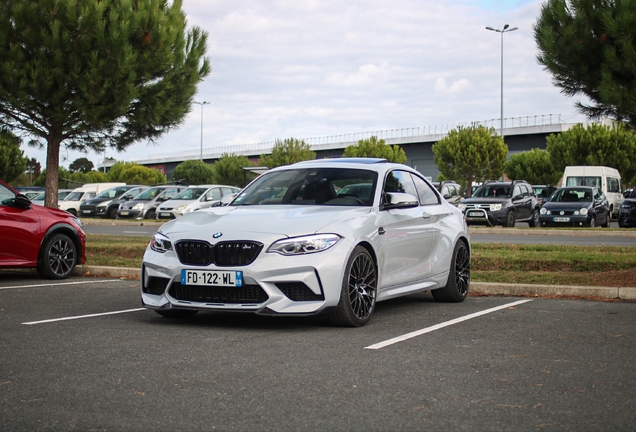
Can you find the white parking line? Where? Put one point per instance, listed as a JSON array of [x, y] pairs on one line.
[[83, 316], [442, 325], [58, 284]]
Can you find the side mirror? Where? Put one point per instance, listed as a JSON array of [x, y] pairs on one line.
[[394, 200], [20, 201]]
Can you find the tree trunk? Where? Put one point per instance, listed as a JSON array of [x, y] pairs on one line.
[[52, 169]]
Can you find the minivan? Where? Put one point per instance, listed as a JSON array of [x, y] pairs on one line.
[[607, 179]]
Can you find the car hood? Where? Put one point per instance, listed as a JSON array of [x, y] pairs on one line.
[[241, 221], [567, 205], [175, 203], [487, 200]]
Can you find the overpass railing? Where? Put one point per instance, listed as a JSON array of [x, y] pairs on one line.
[[266, 147]]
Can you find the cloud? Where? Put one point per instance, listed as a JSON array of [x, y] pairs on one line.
[[322, 68], [456, 87]]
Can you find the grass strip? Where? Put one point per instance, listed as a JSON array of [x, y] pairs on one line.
[[492, 262]]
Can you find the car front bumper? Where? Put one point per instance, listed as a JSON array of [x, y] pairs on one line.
[[485, 217], [272, 284], [564, 221]]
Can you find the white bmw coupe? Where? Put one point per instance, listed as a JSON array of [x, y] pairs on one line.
[[330, 236]]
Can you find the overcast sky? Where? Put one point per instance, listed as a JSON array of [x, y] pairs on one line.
[[296, 68]]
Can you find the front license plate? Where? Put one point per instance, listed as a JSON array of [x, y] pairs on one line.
[[561, 219], [86, 211], [475, 214], [164, 214], [212, 278], [124, 213]]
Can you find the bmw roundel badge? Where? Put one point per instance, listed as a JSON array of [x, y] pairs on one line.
[[217, 235]]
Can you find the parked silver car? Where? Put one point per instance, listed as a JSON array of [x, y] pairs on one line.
[[290, 245], [144, 205], [192, 199]]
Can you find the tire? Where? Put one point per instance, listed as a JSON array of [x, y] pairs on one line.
[[111, 213], [177, 313], [607, 221], [58, 257], [72, 211], [593, 222], [534, 222], [510, 219], [458, 284], [358, 292], [151, 214]]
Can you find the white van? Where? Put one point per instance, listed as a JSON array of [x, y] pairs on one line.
[[605, 178], [73, 200]]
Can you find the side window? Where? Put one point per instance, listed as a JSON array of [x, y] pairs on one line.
[[516, 191], [453, 191], [227, 191], [526, 192], [399, 181], [212, 195], [5, 193], [425, 192], [613, 184]]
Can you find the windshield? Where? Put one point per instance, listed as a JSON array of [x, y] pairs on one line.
[[149, 194], [492, 191], [311, 186], [191, 193], [74, 196], [572, 195], [40, 197], [113, 192]]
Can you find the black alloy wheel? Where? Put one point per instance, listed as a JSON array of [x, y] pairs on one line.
[[458, 284], [58, 257], [359, 290]]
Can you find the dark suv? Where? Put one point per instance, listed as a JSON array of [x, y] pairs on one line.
[[502, 203]]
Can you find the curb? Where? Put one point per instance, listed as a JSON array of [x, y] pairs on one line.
[[478, 288]]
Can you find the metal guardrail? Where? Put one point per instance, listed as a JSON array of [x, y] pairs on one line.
[[266, 147]]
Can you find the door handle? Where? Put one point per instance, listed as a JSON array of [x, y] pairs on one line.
[[426, 215]]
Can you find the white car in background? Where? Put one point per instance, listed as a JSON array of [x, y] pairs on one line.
[[290, 244], [193, 198]]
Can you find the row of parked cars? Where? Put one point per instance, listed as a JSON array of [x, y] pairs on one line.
[[121, 201], [506, 203]]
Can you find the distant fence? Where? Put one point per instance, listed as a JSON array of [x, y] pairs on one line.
[[266, 147]]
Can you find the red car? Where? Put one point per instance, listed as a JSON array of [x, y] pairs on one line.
[[32, 236]]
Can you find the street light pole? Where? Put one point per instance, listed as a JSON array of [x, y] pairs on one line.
[[504, 30], [201, 103]]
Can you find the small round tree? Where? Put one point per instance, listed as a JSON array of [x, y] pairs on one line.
[[375, 148], [470, 154]]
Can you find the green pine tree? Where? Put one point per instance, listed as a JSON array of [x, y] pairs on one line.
[[92, 74]]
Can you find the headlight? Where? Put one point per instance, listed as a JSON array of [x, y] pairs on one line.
[[160, 243], [495, 207], [138, 206], [543, 211], [181, 207], [583, 211], [104, 204], [304, 245], [461, 206]]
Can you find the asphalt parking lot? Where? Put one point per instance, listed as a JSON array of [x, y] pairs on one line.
[[82, 355]]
